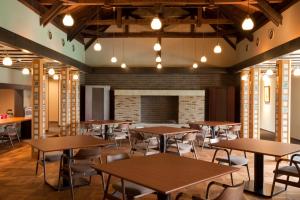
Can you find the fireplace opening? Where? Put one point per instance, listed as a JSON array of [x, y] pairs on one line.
[[159, 109]]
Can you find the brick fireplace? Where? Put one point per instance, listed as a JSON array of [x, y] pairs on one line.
[[128, 104]]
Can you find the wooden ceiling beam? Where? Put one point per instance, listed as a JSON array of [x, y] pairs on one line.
[[90, 42], [269, 12], [164, 21], [229, 33], [70, 9], [52, 13], [152, 2], [119, 17], [226, 38]]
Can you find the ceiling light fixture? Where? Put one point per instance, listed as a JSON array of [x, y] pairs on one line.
[[195, 65], [114, 59], [158, 59], [7, 61], [156, 23], [159, 66], [203, 59], [157, 46], [51, 71], [244, 77], [269, 72], [56, 77], [25, 71], [248, 23], [97, 46], [296, 71], [75, 77], [123, 65], [218, 48], [68, 20]]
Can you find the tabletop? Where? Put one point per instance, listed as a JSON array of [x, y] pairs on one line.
[[165, 173], [215, 123], [265, 147], [106, 122], [67, 142], [14, 120], [163, 130]]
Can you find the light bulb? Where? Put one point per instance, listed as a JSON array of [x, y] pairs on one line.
[[25, 71], [217, 49], [195, 65], [156, 23], [75, 77], [159, 66], [158, 59], [123, 65], [114, 59], [247, 24], [7, 61], [269, 72], [297, 72], [203, 59], [51, 71], [244, 77], [266, 79], [55, 77], [157, 46], [97, 46], [68, 20]]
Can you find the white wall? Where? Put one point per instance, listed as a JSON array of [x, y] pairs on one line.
[[16, 17], [267, 110], [7, 100], [27, 101], [12, 76], [53, 100], [295, 108]]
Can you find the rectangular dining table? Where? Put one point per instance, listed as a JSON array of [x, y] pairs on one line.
[[65, 144], [259, 148], [214, 124], [163, 132], [164, 173]]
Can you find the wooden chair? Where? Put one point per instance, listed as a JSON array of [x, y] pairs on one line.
[[292, 170], [230, 159], [229, 193], [10, 132], [132, 190], [120, 133]]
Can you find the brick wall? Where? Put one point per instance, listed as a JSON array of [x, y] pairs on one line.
[[191, 108], [128, 108]]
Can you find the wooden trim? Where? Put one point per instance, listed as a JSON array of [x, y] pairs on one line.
[[14, 86], [17, 41]]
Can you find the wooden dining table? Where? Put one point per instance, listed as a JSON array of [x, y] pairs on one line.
[[163, 173], [65, 144], [214, 124], [163, 132], [259, 148]]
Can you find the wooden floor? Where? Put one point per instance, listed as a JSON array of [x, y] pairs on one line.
[[18, 181]]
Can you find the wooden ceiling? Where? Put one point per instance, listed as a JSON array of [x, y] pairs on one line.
[[94, 17]]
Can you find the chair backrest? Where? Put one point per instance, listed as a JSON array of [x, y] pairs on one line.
[[116, 157], [135, 135], [194, 126], [235, 128], [232, 193], [191, 136], [123, 126], [214, 140], [88, 153]]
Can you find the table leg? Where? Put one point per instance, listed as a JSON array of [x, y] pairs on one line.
[[26, 129], [162, 143], [161, 196], [213, 132], [258, 187]]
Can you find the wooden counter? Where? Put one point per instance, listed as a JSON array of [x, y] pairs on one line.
[[14, 120], [25, 125]]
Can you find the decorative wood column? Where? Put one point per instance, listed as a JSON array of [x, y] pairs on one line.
[[283, 101], [254, 103], [245, 104], [75, 102], [38, 100], [64, 108]]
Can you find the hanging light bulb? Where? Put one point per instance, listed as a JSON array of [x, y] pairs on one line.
[[51, 71], [55, 77], [195, 65], [75, 77], [248, 24], [203, 59], [25, 71], [244, 77], [157, 46], [159, 66], [7, 61], [297, 71], [123, 65], [97, 46], [217, 49], [68, 20], [158, 59], [269, 72], [156, 23], [114, 59]]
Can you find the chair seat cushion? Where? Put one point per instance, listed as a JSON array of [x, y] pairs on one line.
[[288, 170], [53, 156], [83, 169], [235, 160], [132, 189]]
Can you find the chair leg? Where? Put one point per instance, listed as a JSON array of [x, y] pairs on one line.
[[37, 163], [18, 137], [273, 184], [194, 149], [59, 174], [287, 179], [248, 172], [71, 183], [106, 188], [10, 141], [44, 166], [231, 176]]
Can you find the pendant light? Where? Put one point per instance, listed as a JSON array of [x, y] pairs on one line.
[[158, 59], [51, 71], [203, 58], [269, 72], [157, 45], [123, 65], [218, 48], [75, 77], [7, 61], [114, 58], [159, 66], [248, 23], [296, 71], [156, 23], [68, 20], [25, 71], [56, 77], [97, 46], [195, 64], [244, 77]]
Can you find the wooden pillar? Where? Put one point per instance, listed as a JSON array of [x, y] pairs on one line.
[[64, 108], [283, 100], [245, 104], [254, 103], [75, 102], [38, 100]]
